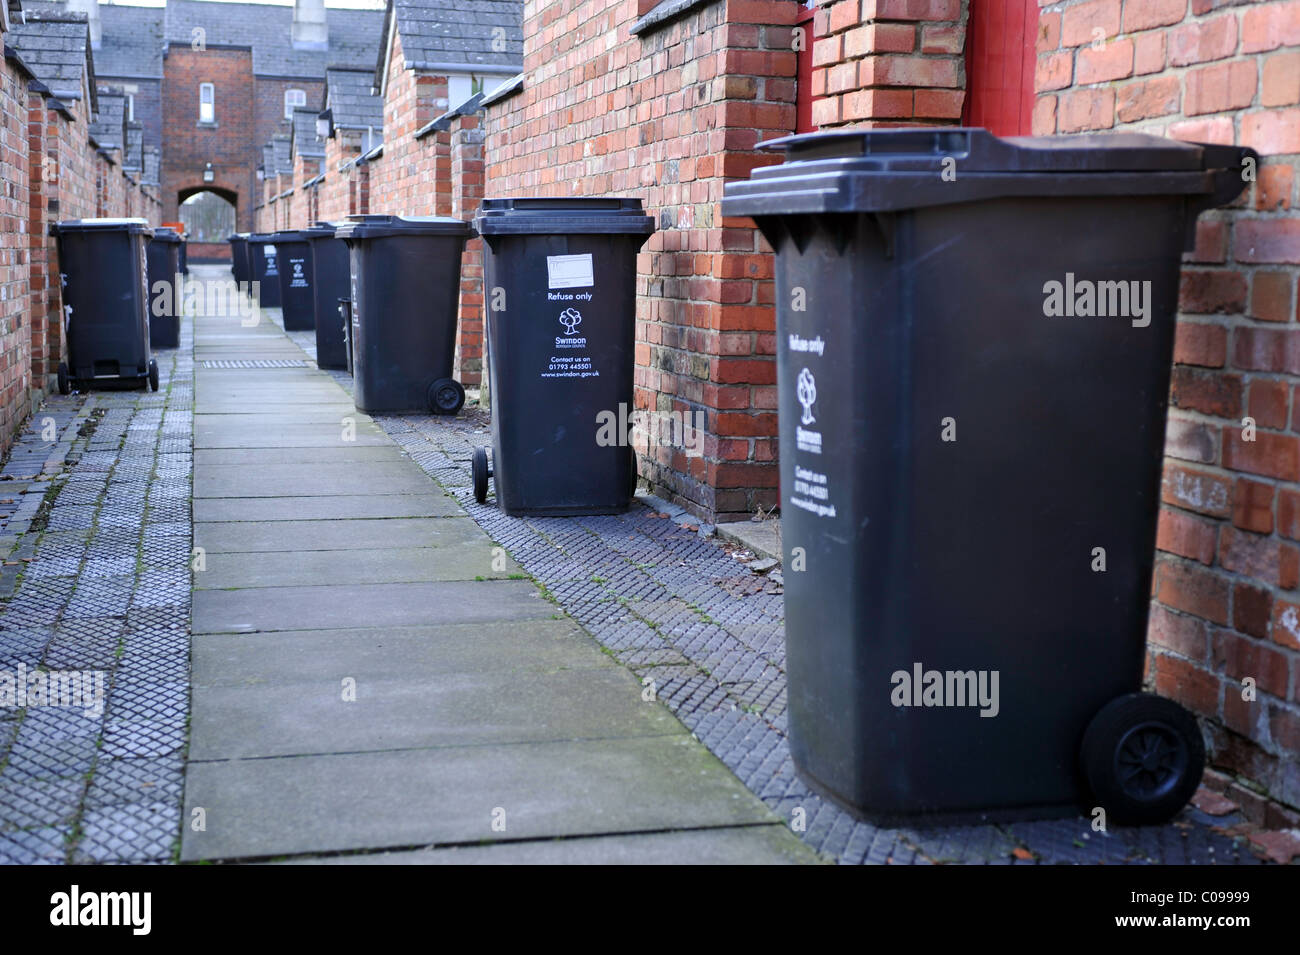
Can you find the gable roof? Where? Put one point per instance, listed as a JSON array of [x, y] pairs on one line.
[[55, 45], [456, 35], [152, 166], [282, 152], [305, 141], [133, 156], [350, 102], [267, 29], [109, 125]]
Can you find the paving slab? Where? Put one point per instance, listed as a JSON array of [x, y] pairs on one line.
[[286, 436], [414, 711], [395, 476], [436, 503], [343, 606], [263, 808], [345, 534], [307, 656], [730, 845], [260, 457], [226, 571]]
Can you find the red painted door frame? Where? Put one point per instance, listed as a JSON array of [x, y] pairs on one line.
[[1001, 56], [803, 98]]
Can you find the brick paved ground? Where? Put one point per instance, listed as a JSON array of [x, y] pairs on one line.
[[676, 607], [96, 540]]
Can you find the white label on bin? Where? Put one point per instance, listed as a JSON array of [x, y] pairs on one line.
[[570, 271]]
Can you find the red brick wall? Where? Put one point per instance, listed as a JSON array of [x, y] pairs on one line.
[[670, 116], [298, 215], [413, 176], [15, 318], [889, 62], [189, 147], [1226, 604], [337, 188]]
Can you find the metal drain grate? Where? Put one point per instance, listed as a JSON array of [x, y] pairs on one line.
[[257, 363]]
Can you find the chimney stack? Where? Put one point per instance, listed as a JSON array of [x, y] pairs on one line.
[[309, 29], [91, 9]]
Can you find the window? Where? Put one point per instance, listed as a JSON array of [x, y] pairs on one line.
[[461, 88], [207, 103], [292, 100]]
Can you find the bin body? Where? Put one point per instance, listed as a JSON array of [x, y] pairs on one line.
[[293, 255], [239, 257], [954, 452], [561, 351], [405, 277], [264, 268], [345, 313], [102, 265], [331, 281], [164, 261], [185, 256]]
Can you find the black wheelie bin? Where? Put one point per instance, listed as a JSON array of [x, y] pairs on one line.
[[330, 281], [105, 301], [293, 253], [974, 346], [405, 273], [559, 279], [239, 257], [264, 268], [164, 261]]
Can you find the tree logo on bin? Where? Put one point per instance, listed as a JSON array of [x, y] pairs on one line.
[[570, 318], [806, 390]]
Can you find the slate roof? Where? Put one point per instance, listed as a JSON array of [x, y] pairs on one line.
[[305, 142], [348, 98], [354, 35], [439, 33], [133, 158], [131, 44], [55, 45], [109, 126]]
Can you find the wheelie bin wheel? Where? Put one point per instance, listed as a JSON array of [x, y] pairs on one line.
[[1143, 757], [153, 374], [446, 396], [481, 475], [65, 384], [632, 480]]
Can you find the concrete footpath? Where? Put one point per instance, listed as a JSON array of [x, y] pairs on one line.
[[375, 680]]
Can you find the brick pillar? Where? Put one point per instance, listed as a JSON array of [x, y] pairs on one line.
[[465, 160], [889, 62], [42, 262]]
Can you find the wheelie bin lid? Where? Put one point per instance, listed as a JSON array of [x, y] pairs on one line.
[[321, 230], [888, 170], [166, 234], [378, 226], [261, 237], [132, 225], [290, 235], [604, 215]]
